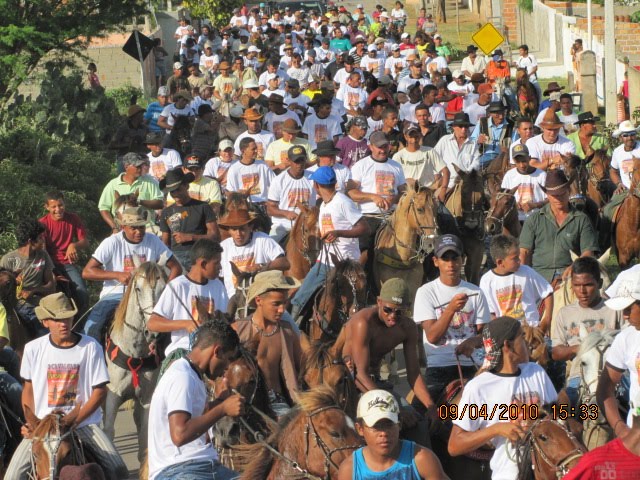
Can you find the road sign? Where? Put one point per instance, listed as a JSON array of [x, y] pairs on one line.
[[488, 38], [138, 46]]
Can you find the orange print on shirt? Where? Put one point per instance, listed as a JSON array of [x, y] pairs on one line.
[[525, 192], [297, 195], [385, 183], [202, 308], [131, 262], [251, 183], [353, 99], [510, 301], [158, 169], [326, 224], [259, 150], [284, 156], [627, 165], [227, 87], [320, 133], [243, 262], [62, 385]]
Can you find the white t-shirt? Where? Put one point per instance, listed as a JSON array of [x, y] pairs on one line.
[[381, 178], [529, 188], [179, 390], [422, 165], [263, 139], [431, 300], [287, 192], [261, 249], [238, 21], [320, 129], [516, 295], [622, 161], [406, 82], [542, 150], [216, 168], [374, 65], [160, 165], [300, 100], [624, 354], [529, 62], [531, 386], [352, 98], [476, 112], [170, 112], [343, 175], [274, 122], [437, 113], [185, 299], [395, 65], [64, 377], [208, 62], [408, 112], [256, 177], [341, 213], [117, 254]]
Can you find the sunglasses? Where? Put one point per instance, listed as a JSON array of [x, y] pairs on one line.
[[632, 134], [397, 311]]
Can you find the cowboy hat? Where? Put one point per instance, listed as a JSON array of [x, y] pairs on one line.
[[461, 120], [586, 117], [252, 114], [552, 87], [268, 281], [551, 120], [134, 217], [326, 147], [555, 183], [276, 98], [236, 218], [625, 127], [224, 65], [175, 178], [56, 306]]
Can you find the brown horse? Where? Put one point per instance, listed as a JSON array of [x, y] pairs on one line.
[[241, 201], [315, 437], [406, 239], [538, 350], [468, 204], [628, 223], [503, 215], [53, 443], [494, 173], [526, 94], [304, 242], [324, 366], [600, 187], [548, 451]]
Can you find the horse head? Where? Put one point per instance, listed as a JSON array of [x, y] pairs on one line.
[[8, 287], [635, 178], [576, 171], [503, 203], [307, 232], [122, 202], [538, 351], [591, 358], [417, 209], [349, 284], [474, 200]]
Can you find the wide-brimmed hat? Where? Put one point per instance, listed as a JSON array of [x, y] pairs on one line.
[[552, 87], [224, 65], [251, 83], [252, 114], [56, 306], [555, 183], [268, 281], [472, 48], [236, 218], [134, 110], [326, 147], [626, 126], [290, 126], [586, 117], [182, 94], [495, 107], [276, 98], [134, 217], [551, 120], [175, 178], [461, 120]]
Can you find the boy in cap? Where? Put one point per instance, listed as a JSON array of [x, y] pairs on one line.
[[385, 455], [277, 346], [527, 181], [217, 167], [65, 371], [450, 311], [509, 379]]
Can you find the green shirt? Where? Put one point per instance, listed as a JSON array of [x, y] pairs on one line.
[[550, 244], [148, 188], [598, 142], [443, 51]]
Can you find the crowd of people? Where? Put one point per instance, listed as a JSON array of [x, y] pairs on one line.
[[346, 111]]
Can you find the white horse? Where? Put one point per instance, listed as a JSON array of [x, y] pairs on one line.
[[591, 359], [132, 359]]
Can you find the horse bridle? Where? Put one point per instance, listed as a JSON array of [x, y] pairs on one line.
[[52, 445], [500, 221], [426, 239], [306, 251], [561, 467]]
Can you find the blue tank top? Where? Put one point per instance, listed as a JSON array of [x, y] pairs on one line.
[[404, 468]]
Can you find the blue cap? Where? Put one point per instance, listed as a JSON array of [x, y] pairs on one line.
[[324, 176]]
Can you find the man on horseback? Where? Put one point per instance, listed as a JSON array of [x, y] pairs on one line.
[[61, 371], [179, 416], [510, 379], [547, 148], [586, 139], [271, 339], [588, 312], [493, 133], [115, 260], [180, 108], [458, 149], [530, 195], [161, 159], [341, 224], [386, 455]]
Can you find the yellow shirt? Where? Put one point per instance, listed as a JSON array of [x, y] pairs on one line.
[[277, 151], [4, 325], [206, 190]]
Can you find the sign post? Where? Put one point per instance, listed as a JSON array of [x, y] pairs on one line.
[[488, 38]]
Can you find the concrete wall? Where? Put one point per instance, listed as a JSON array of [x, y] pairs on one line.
[[634, 90], [542, 31]]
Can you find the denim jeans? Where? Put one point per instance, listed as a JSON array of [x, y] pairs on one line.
[[79, 287], [312, 282], [102, 311], [27, 313], [487, 157], [437, 378], [197, 470], [10, 361], [573, 386]]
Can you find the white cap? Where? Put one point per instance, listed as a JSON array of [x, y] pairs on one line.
[[376, 405], [628, 290], [270, 76], [384, 15], [224, 144], [177, 66], [394, 47], [405, 35], [360, 6], [251, 83], [253, 48], [372, 48], [457, 73], [437, 35]]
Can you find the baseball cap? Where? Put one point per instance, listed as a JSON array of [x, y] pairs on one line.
[[385, 80], [324, 176], [360, 121], [411, 127], [628, 291], [405, 35], [163, 92], [359, 6], [457, 74], [253, 48], [224, 144], [395, 290], [372, 48], [296, 153], [448, 243], [376, 405], [379, 139], [437, 35], [177, 66], [134, 159], [520, 151], [395, 46], [293, 83], [270, 280]]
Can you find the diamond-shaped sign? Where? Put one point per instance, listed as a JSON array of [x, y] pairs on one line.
[[488, 38]]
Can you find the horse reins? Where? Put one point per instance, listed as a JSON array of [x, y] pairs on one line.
[[500, 221]]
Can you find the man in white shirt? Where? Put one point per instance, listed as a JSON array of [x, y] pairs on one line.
[[161, 160], [263, 138], [181, 107], [528, 61], [321, 125], [353, 96], [621, 167], [179, 416], [394, 64], [249, 176], [458, 149], [277, 115], [547, 148], [528, 181], [473, 63], [372, 63]]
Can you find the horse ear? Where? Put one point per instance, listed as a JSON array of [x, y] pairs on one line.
[[116, 195], [574, 256], [30, 417], [234, 268], [604, 258], [70, 418], [514, 190], [334, 258], [583, 331]]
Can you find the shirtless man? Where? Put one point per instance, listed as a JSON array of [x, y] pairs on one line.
[[276, 345], [373, 332]]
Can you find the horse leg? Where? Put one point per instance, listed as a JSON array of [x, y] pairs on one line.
[[112, 405], [141, 419]]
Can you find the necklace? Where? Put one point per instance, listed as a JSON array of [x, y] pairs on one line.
[[262, 331]]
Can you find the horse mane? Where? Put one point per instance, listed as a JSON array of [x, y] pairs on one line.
[[47, 425], [321, 396], [594, 339], [523, 456], [317, 355], [340, 269]]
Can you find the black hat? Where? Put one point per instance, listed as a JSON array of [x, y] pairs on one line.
[[204, 109], [472, 48], [495, 107], [326, 147], [153, 138], [497, 51], [461, 120], [175, 178], [297, 153], [586, 117]]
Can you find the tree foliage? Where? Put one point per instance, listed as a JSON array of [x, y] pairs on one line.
[[219, 12], [30, 29]]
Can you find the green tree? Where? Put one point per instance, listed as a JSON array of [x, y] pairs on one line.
[[219, 12], [30, 29]]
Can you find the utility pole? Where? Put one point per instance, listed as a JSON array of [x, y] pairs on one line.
[[609, 63]]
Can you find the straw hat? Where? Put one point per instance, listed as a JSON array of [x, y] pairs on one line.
[[236, 218], [56, 306], [551, 120]]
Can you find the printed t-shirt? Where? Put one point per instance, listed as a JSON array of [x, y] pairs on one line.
[[170, 112], [117, 254], [381, 178], [184, 299], [320, 129], [278, 151], [542, 150], [274, 122], [431, 300], [262, 139], [622, 161], [64, 377], [624, 354], [160, 165], [31, 269], [256, 178], [352, 98], [287, 192], [529, 188], [516, 294], [216, 168], [422, 165], [60, 234], [261, 249], [190, 218], [206, 190], [341, 213]]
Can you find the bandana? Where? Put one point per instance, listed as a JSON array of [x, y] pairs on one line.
[[494, 335]]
